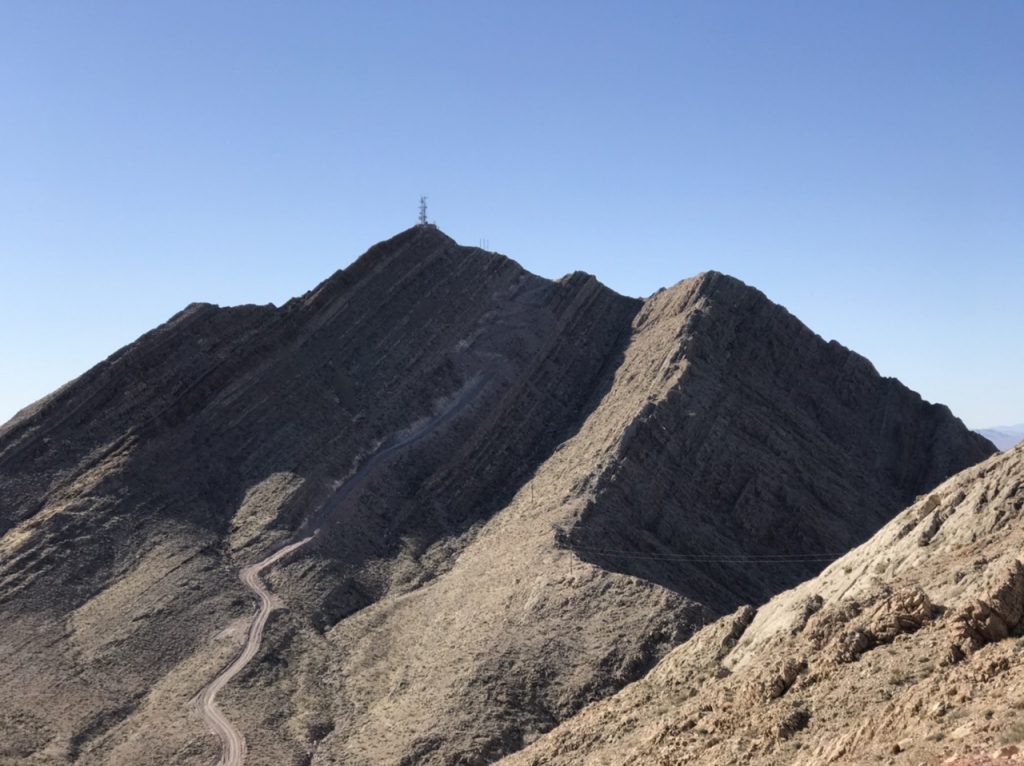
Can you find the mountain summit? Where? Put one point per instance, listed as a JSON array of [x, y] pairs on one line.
[[490, 499]]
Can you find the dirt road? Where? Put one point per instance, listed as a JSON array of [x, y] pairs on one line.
[[232, 740], [233, 747]]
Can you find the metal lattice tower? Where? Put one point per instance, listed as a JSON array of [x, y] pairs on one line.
[[423, 211]]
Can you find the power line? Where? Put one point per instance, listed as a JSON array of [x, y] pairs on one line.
[[699, 558], [708, 555]]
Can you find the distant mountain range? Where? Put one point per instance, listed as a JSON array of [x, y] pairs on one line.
[[1004, 437]]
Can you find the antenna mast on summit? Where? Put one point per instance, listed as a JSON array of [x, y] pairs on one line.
[[423, 211]]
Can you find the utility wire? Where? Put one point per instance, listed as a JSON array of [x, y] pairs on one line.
[[771, 558]]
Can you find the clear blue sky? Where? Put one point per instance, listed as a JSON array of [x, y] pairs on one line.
[[860, 162]]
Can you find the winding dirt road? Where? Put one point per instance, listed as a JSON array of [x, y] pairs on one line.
[[232, 740], [233, 747]]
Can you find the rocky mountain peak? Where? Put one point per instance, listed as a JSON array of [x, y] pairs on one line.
[[503, 497]]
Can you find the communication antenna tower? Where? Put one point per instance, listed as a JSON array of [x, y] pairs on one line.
[[423, 211]]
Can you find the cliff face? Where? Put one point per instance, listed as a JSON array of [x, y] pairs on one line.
[[525, 492], [907, 649]]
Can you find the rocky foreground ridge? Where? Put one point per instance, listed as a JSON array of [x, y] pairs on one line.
[[556, 486], [907, 650]]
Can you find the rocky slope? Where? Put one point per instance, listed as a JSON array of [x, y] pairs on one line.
[[906, 650], [599, 476]]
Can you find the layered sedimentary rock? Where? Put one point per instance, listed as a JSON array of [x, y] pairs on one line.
[[556, 485]]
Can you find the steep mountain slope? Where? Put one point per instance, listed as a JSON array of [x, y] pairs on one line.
[[763, 440], [906, 650], [129, 495], [524, 493], [665, 474]]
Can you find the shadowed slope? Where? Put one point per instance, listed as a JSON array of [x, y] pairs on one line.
[[762, 453]]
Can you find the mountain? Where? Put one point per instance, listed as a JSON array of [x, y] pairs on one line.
[[1004, 437], [906, 650], [478, 500]]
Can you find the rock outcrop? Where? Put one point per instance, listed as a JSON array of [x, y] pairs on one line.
[[911, 655], [601, 477]]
